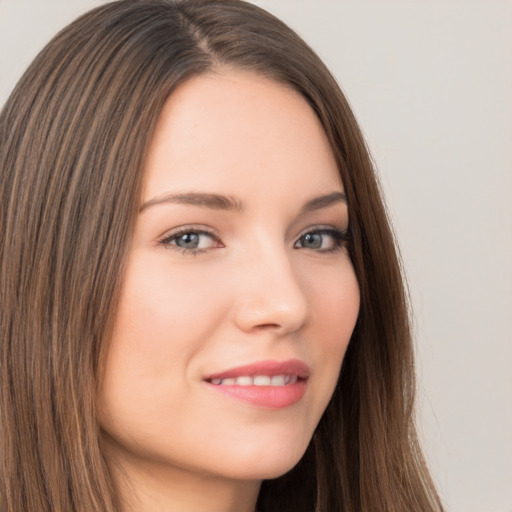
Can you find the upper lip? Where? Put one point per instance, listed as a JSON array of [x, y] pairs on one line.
[[267, 367]]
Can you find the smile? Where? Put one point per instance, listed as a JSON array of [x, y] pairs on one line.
[[265, 384], [257, 380]]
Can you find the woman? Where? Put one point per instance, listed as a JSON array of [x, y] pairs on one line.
[[202, 306]]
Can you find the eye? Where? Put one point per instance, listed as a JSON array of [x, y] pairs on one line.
[[191, 241], [322, 240]]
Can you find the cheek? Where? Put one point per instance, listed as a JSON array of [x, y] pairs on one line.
[[164, 315], [335, 308], [162, 322], [334, 297]]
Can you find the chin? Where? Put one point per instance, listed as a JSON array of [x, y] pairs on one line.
[[266, 464]]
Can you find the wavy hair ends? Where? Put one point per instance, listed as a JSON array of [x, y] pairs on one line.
[[73, 140]]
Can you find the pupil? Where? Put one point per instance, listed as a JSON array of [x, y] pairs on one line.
[[313, 240], [188, 241]]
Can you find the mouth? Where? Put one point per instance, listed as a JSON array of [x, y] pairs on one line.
[[265, 384]]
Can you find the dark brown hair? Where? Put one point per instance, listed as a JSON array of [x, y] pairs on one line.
[[73, 140]]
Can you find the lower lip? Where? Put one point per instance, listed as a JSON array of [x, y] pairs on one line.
[[268, 397]]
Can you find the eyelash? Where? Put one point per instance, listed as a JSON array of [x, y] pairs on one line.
[[340, 239]]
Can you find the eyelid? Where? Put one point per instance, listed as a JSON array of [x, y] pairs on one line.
[[320, 226], [185, 228], [325, 228]]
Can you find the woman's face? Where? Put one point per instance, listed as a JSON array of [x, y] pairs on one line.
[[239, 297]]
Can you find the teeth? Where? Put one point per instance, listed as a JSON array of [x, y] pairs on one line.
[[257, 380], [277, 380], [261, 380], [244, 381]]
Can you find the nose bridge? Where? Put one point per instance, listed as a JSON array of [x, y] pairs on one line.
[[270, 293]]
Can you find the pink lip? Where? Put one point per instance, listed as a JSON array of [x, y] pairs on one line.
[[269, 397]]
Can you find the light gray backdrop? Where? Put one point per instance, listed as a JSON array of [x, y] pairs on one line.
[[431, 84]]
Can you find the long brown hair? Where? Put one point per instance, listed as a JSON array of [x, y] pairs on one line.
[[73, 139]]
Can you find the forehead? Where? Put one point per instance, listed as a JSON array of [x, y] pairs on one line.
[[239, 131]]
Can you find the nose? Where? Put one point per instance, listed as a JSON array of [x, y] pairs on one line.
[[269, 295]]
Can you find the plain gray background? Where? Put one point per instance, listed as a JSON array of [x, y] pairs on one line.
[[431, 84]]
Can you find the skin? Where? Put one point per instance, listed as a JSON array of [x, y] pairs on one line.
[[254, 289]]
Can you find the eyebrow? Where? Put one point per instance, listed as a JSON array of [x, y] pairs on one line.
[[317, 203], [221, 202], [212, 201]]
